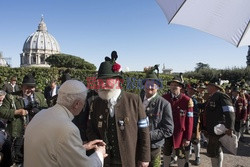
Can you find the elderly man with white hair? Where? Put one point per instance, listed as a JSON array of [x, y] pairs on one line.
[[118, 118], [51, 139]]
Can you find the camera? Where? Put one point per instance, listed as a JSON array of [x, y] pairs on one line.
[[32, 108]]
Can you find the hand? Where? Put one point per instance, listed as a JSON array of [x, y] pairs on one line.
[[102, 149], [143, 164], [229, 132], [21, 112], [94, 144], [185, 143]]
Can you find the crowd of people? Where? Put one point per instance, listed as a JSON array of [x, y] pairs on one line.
[[70, 125]]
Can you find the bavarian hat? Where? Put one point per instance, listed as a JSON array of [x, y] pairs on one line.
[[109, 68], [201, 85], [192, 86], [177, 79], [228, 86], [29, 80], [216, 83], [235, 89], [243, 85], [151, 75]]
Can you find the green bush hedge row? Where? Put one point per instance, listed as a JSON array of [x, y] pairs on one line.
[[132, 80], [233, 74], [131, 83]]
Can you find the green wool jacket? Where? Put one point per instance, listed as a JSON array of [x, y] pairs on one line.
[[15, 122]]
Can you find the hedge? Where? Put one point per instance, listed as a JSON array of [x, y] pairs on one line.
[[132, 80]]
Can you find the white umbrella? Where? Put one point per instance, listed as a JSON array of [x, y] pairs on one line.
[[227, 19]]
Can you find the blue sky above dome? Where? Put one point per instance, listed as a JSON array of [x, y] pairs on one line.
[[137, 30]]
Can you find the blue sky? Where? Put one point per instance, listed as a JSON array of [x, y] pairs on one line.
[[136, 29]]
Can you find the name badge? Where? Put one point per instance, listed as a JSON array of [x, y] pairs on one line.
[[99, 124], [121, 123], [212, 104], [182, 113]]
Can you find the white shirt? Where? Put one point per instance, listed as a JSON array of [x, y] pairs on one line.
[[175, 96], [52, 140], [53, 92], [112, 102], [13, 87], [147, 100]]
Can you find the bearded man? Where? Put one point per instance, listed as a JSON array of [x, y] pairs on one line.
[[119, 119]]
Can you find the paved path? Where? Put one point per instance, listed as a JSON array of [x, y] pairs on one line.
[[242, 159]]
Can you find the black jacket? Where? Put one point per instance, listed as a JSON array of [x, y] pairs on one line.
[[219, 110], [9, 89]]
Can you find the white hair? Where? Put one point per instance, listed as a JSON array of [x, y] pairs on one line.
[[68, 99], [107, 94], [70, 91], [2, 93]]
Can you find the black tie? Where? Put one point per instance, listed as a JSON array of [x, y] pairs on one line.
[[29, 99], [234, 99]]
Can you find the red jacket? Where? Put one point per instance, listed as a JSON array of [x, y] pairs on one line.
[[240, 109], [248, 103], [182, 109]]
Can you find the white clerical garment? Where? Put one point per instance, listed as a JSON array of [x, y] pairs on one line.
[[52, 140]]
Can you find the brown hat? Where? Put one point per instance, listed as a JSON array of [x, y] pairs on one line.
[[177, 79], [201, 85], [236, 89], [216, 84], [13, 78], [192, 86]]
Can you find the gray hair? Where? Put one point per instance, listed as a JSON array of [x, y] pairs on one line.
[[2, 93]]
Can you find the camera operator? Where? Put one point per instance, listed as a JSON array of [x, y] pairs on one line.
[[5, 145], [18, 109]]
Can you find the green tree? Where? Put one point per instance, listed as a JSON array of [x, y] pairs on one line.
[[204, 74], [200, 66], [69, 61]]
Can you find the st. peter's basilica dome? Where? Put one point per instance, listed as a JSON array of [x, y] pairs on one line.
[[38, 46]]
